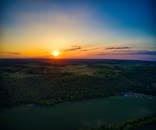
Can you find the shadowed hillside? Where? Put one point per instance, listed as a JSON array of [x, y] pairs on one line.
[[48, 82]]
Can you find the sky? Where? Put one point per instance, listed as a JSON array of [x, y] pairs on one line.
[[83, 29]]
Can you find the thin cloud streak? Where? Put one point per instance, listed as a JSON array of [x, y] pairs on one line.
[[90, 49], [73, 48], [143, 52], [116, 48], [78, 47], [129, 52], [11, 53]]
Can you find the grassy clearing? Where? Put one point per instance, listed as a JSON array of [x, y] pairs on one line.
[[20, 75], [79, 70]]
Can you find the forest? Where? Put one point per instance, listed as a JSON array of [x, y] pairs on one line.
[[49, 82], [146, 123], [46, 82]]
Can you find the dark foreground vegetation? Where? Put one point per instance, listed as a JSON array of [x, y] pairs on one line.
[[48, 82], [144, 123]]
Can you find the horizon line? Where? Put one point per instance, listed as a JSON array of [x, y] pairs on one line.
[[57, 59]]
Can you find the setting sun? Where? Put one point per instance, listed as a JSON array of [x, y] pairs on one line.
[[55, 53]]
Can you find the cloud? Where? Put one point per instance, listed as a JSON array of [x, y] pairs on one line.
[[84, 49], [129, 52], [116, 48], [73, 48], [11, 53], [101, 53], [89, 49], [80, 48], [143, 52]]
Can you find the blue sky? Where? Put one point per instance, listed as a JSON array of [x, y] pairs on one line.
[[63, 24]]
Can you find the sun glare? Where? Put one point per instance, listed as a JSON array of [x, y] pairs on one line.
[[55, 53]]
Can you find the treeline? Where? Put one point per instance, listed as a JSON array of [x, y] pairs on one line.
[[134, 124]]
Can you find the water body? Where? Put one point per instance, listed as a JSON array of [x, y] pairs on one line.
[[72, 116]]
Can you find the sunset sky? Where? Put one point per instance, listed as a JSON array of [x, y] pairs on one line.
[[105, 29]]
